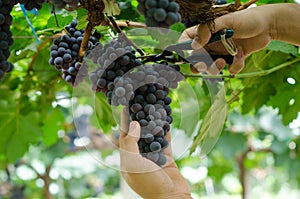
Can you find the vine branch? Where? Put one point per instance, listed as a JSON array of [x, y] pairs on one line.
[[241, 163], [123, 35], [246, 75], [85, 41]]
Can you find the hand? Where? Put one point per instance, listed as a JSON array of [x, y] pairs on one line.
[[252, 32], [145, 177]]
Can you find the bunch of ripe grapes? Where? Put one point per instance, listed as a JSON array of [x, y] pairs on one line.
[[159, 13], [64, 53], [142, 88]]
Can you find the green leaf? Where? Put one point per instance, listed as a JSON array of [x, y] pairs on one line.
[[127, 11], [52, 124], [82, 18], [283, 47], [287, 100], [212, 125], [61, 22], [104, 113], [18, 132], [256, 96]]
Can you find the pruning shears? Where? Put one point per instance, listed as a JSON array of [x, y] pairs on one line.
[[225, 36]]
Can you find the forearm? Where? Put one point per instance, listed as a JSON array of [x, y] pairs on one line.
[[285, 25]]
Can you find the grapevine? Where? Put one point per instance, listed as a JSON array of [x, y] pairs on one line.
[[125, 79]]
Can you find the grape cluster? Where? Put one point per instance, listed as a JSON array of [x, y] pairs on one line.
[[65, 3], [150, 106], [159, 13], [65, 51], [116, 59], [5, 37], [142, 89]]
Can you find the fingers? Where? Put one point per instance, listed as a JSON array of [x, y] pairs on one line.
[[188, 34], [238, 63], [129, 142], [216, 67], [202, 37], [199, 67], [203, 34]]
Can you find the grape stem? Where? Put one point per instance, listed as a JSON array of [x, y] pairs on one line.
[[123, 35], [85, 40], [55, 17], [247, 4], [246, 75], [237, 3]]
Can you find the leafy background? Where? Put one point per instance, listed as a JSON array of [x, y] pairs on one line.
[[42, 155]]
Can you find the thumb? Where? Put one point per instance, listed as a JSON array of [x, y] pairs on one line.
[[129, 142]]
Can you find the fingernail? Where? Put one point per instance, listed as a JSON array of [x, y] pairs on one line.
[[133, 124], [196, 44], [200, 66], [220, 63]]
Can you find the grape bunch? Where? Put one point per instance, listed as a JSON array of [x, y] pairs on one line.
[[116, 58], [65, 3], [65, 51], [150, 106], [5, 37], [159, 13], [142, 89]]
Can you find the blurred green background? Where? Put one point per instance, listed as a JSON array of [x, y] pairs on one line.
[[59, 142]]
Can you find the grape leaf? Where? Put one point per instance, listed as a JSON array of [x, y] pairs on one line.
[[282, 100], [105, 114], [212, 124], [283, 47], [81, 17], [128, 12], [61, 20], [52, 124], [256, 96], [18, 132]]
